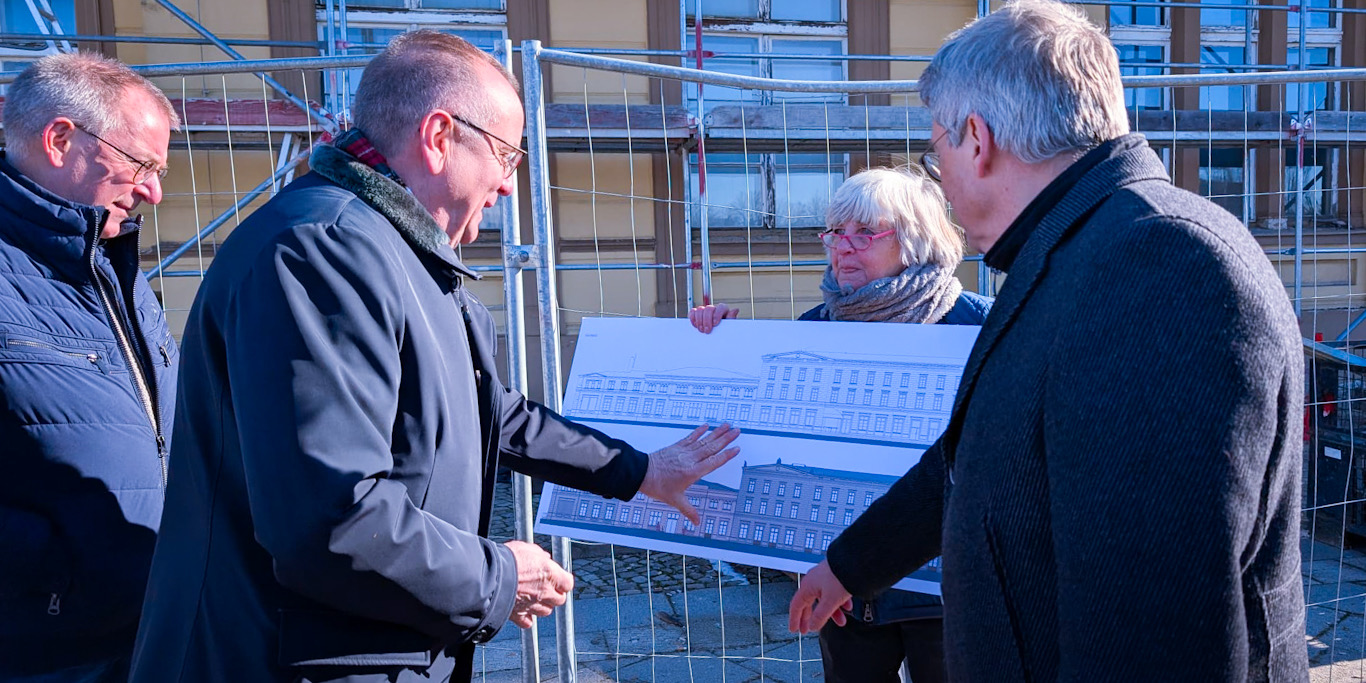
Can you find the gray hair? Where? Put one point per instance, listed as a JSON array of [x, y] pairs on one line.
[[1043, 77], [417, 72], [905, 200], [81, 86]]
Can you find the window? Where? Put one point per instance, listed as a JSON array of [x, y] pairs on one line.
[[635, 516], [769, 190], [834, 494], [801, 375], [1318, 96], [768, 485], [710, 526], [815, 394], [938, 401], [1223, 97], [773, 372], [768, 391], [763, 507], [797, 395], [863, 420], [867, 499], [723, 527], [758, 532], [816, 376], [870, 377], [923, 378], [782, 393], [825, 541], [773, 534], [919, 401], [810, 418], [885, 399], [744, 413], [816, 495], [15, 17], [711, 504], [750, 487], [788, 536], [850, 500], [850, 395], [1121, 15], [886, 379], [848, 516], [853, 376], [815, 513], [749, 504], [780, 415], [796, 490], [901, 400], [610, 511], [583, 508], [898, 424], [837, 376], [1223, 17], [792, 513], [810, 540], [625, 514], [782, 488], [744, 530], [830, 516], [655, 516], [777, 509], [1221, 177], [727, 506]]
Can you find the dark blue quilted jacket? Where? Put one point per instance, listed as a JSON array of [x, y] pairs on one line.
[[80, 499]]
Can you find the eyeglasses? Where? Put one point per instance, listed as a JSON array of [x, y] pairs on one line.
[[145, 169], [509, 158], [929, 160], [857, 241]]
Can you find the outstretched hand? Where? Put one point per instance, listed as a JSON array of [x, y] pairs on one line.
[[674, 468], [818, 599]]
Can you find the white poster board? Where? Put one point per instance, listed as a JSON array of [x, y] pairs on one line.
[[831, 415]]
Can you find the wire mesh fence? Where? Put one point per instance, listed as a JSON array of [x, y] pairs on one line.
[[651, 189]]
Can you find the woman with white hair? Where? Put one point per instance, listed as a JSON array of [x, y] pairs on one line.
[[892, 253]]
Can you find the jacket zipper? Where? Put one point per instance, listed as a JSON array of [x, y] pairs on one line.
[[94, 358], [140, 385]]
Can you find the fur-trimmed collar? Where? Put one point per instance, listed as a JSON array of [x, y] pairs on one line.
[[391, 200]]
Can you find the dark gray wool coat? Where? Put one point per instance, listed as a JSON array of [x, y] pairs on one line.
[[1117, 495], [340, 427]]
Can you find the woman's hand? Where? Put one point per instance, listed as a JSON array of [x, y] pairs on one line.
[[706, 318]]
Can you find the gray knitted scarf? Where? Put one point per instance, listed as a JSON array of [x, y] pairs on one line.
[[920, 294]]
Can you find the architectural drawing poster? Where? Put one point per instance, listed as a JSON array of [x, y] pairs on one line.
[[831, 414]]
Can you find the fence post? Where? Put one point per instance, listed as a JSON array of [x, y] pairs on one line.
[[547, 302], [514, 255]]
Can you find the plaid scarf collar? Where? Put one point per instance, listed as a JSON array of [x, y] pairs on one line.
[[355, 143]]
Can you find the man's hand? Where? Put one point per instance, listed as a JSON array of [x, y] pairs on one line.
[[706, 318], [674, 468], [542, 585], [818, 599]]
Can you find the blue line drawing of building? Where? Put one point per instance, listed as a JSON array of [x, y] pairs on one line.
[[780, 508], [796, 393]]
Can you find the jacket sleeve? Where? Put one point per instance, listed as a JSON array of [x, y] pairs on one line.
[[541, 443], [313, 332], [897, 534], [1160, 439]]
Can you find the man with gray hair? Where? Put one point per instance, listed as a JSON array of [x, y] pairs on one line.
[[341, 419], [87, 367], [1117, 494]]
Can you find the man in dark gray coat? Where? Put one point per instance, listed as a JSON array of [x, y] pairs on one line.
[[1117, 494], [341, 422]]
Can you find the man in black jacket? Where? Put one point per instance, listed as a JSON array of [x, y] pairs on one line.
[[1116, 496], [341, 420]]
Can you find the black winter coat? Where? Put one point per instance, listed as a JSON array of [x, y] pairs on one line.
[[1117, 494], [341, 427]]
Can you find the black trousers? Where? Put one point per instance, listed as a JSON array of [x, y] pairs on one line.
[[865, 653]]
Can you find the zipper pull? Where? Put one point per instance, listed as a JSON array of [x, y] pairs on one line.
[[94, 358], [161, 446], [868, 612], [54, 605], [165, 356]]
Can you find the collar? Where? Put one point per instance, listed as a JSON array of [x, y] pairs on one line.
[[355, 143], [387, 195], [1002, 255]]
